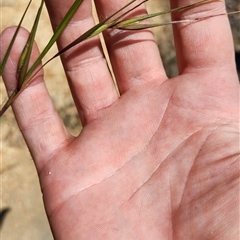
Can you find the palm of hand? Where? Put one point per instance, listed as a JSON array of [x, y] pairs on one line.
[[156, 169]]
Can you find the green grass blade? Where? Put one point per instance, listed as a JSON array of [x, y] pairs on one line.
[[139, 26], [142, 26], [26, 53], [98, 28], [2, 65], [117, 23], [55, 36], [126, 24]]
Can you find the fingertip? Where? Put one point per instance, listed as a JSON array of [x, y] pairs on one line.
[[10, 68]]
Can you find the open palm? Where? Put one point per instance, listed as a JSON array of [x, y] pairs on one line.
[[159, 162]]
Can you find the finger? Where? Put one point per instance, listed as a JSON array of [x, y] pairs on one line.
[[134, 54], [203, 44], [38, 121], [89, 78]]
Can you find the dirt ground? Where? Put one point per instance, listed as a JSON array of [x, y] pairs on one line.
[[22, 211]]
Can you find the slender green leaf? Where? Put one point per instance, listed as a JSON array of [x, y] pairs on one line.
[[55, 36], [138, 26], [2, 65], [98, 28], [141, 26], [26, 53], [95, 30], [122, 24], [126, 24]]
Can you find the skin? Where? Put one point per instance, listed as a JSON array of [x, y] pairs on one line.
[[159, 162]]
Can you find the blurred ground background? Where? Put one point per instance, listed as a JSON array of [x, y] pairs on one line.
[[22, 213]]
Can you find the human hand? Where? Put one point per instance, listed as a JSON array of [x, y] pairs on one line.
[[159, 162]]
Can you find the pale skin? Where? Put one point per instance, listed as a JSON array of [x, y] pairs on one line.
[[159, 162]]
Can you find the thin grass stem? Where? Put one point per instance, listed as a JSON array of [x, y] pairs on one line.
[[128, 22], [2, 65]]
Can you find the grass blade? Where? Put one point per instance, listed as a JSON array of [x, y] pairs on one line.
[[98, 28], [134, 23], [55, 36], [95, 30], [2, 65], [26, 53], [126, 24], [142, 26], [130, 24]]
